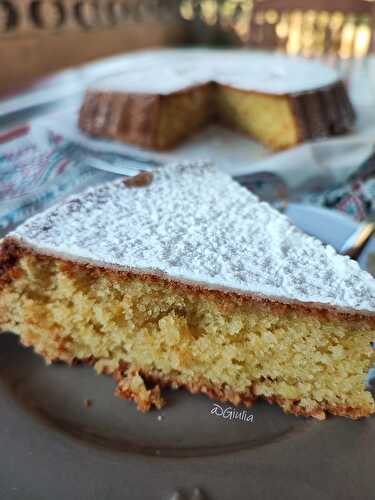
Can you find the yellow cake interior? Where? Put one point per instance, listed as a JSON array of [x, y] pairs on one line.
[[268, 119], [182, 114], [308, 363]]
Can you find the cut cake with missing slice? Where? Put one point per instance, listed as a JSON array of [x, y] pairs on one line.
[[163, 96], [182, 277]]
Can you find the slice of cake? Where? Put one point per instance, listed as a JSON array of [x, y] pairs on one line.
[[164, 96], [184, 278]]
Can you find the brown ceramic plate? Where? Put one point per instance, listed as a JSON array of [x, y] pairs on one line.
[[52, 446]]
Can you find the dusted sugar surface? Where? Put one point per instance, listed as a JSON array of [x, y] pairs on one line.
[[194, 223], [169, 70]]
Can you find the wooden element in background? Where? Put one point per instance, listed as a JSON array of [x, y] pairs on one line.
[[38, 37]]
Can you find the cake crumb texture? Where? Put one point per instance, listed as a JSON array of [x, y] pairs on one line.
[[148, 333]]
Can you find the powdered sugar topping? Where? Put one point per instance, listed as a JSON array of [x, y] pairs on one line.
[[194, 223], [168, 70]]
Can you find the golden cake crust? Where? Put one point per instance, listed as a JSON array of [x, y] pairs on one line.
[[248, 398]]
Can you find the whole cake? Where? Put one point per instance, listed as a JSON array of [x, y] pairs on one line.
[[184, 278], [164, 96]]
